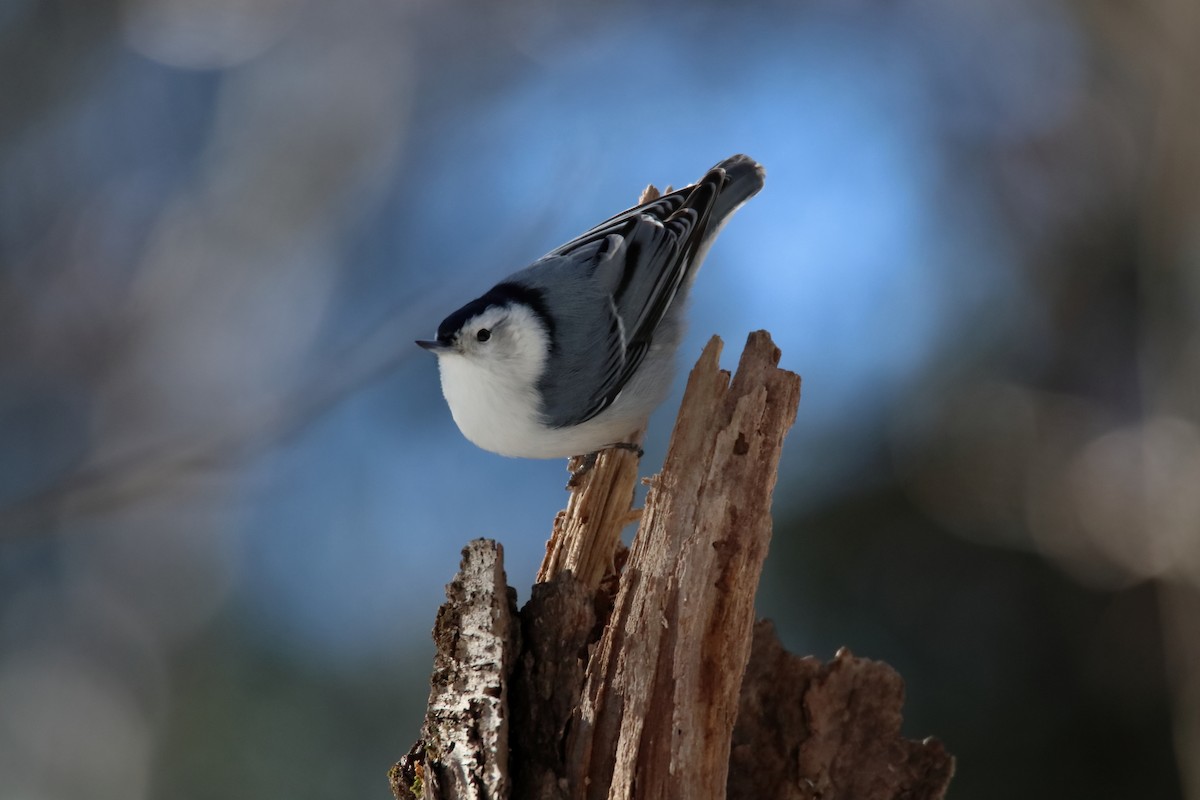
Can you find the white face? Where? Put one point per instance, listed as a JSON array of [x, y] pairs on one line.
[[490, 369], [507, 339]]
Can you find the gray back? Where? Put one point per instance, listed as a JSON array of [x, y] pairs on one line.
[[609, 290]]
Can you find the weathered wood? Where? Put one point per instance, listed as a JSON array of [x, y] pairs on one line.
[[629, 684], [586, 540], [660, 700], [463, 750], [813, 731], [557, 626]]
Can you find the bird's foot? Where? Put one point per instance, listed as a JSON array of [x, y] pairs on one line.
[[630, 446], [587, 462]]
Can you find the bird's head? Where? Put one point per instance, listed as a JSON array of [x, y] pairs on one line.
[[501, 332]]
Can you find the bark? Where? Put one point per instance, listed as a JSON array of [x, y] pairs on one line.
[[809, 731], [650, 679], [557, 624], [463, 749]]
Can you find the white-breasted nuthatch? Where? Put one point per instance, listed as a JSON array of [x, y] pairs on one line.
[[571, 354]]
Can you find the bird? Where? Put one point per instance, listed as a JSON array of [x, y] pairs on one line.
[[570, 355]]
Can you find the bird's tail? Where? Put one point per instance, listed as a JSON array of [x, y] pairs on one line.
[[743, 178]]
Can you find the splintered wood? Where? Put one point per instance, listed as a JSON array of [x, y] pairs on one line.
[[630, 679], [586, 540], [661, 693]]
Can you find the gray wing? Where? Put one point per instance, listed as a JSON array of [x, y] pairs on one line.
[[639, 262]]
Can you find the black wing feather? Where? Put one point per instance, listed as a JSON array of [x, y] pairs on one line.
[[662, 235]]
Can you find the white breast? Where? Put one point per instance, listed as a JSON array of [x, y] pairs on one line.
[[495, 410], [492, 389], [495, 402], [498, 411]]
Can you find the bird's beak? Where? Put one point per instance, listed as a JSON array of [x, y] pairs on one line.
[[434, 347]]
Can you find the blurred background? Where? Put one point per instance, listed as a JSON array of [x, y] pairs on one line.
[[230, 490]]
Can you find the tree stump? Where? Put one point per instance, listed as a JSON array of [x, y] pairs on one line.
[[643, 674]]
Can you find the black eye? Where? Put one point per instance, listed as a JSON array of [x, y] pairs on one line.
[[483, 335]]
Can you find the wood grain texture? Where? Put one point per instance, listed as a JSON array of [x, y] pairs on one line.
[[661, 694], [586, 540]]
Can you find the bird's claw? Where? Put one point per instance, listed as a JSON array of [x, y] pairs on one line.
[[630, 446], [589, 461]]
